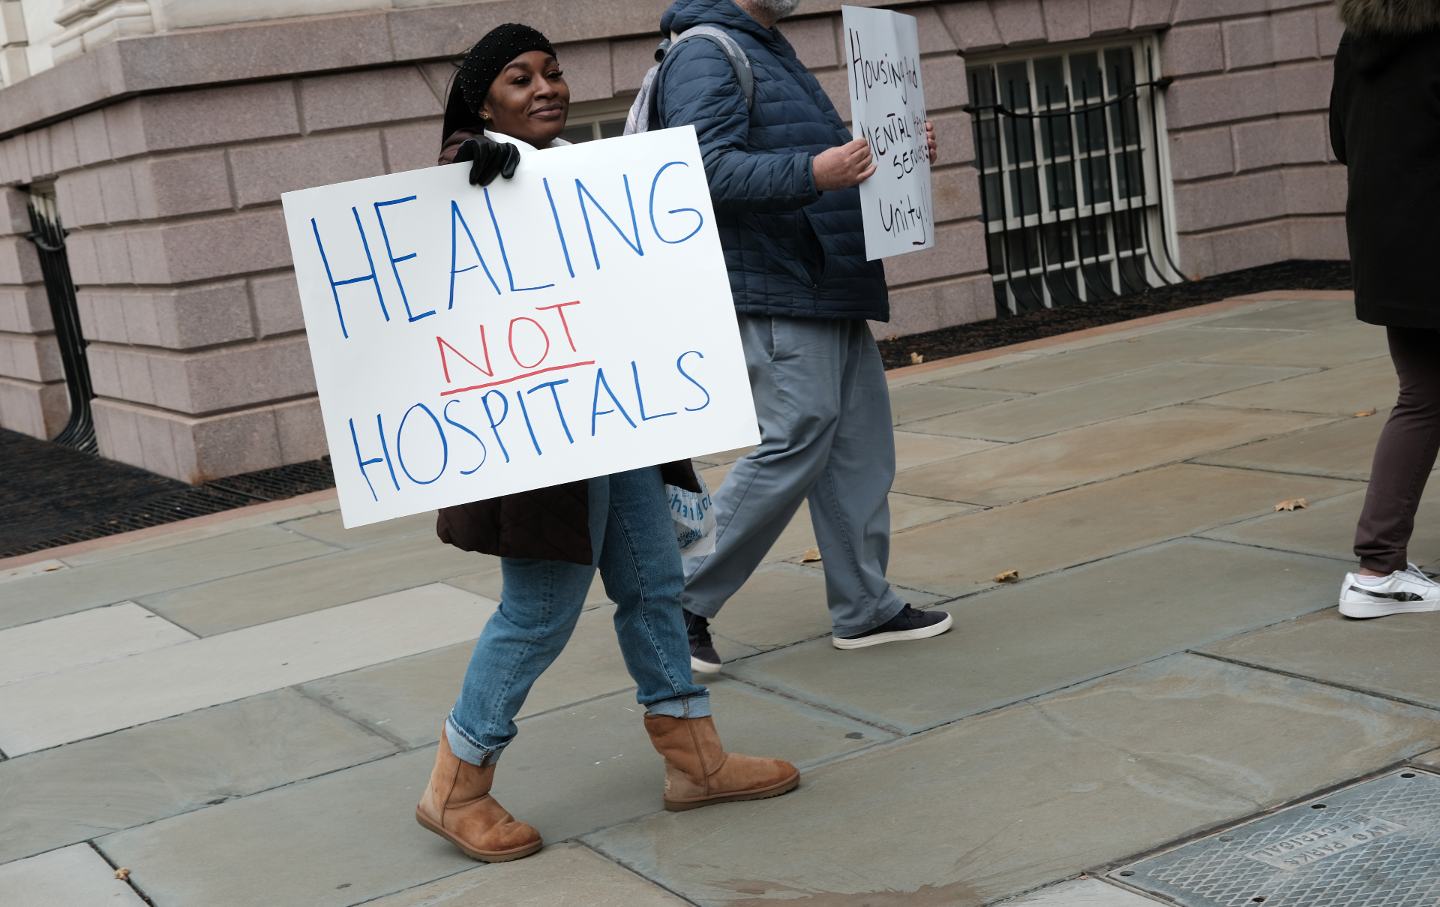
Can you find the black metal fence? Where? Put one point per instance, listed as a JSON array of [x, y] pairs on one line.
[[1073, 193], [49, 238]]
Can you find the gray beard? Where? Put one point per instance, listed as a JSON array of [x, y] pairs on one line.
[[777, 8]]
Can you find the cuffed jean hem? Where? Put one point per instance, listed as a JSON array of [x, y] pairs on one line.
[[697, 706], [468, 750]]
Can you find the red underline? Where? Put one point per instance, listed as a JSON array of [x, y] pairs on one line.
[[481, 387]]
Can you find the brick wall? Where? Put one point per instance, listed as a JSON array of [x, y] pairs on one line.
[[170, 169]]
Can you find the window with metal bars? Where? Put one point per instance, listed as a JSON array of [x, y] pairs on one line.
[[1073, 175]]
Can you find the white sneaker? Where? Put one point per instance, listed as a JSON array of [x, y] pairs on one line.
[[1402, 592]]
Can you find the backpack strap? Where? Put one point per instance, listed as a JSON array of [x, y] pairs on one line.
[[739, 61]]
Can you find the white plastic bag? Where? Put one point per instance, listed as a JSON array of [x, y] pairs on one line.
[[694, 516]]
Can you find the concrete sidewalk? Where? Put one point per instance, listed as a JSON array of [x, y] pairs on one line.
[[242, 710]]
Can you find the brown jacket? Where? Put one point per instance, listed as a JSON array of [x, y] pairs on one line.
[[550, 524]]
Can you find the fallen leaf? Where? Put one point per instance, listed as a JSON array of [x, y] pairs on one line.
[[1292, 505], [122, 874], [1009, 576], [1364, 413], [811, 556], [916, 358]]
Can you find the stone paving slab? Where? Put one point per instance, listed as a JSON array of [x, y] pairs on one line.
[[121, 579], [1341, 391], [1301, 315], [561, 875], [1327, 528], [73, 876], [906, 512], [33, 569], [1110, 398], [199, 529], [85, 702], [409, 698], [83, 638], [567, 771], [925, 401], [914, 449], [1159, 752], [1429, 760], [289, 590], [1080, 893], [1394, 656], [1342, 450], [1083, 455], [1355, 342], [142, 774], [964, 553], [1063, 369], [1020, 641], [487, 581], [341, 839], [327, 528]]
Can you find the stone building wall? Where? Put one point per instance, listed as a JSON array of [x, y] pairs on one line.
[[168, 154]]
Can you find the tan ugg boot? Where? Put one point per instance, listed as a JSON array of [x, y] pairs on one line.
[[458, 807], [698, 771]]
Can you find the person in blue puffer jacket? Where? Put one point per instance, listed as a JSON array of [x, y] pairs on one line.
[[783, 173]]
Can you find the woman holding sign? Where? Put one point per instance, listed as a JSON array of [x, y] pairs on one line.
[[509, 93]]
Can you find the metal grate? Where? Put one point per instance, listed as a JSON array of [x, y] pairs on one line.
[[48, 235], [1376, 844]]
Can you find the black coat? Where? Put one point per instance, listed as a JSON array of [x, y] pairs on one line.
[[1385, 127], [551, 524]]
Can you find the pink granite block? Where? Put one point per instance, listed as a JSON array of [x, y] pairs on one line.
[[212, 248], [1019, 21], [277, 304], [14, 212], [956, 191], [40, 150], [1066, 20], [959, 249], [815, 41], [1297, 34], [228, 444], [157, 446], [92, 138], [954, 138], [1287, 140], [102, 315], [1192, 50], [367, 97], [1251, 246], [587, 70], [301, 431], [203, 315], [1195, 10], [1220, 99], [1196, 255], [170, 378], [1233, 200], [18, 262], [125, 129], [262, 172], [1110, 16], [249, 374], [84, 262], [217, 116], [112, 248], [1249, 43], [934, 36], [412, 146], [147, 255], [117, 192], [136, 384], [79, 196], [971, 26], [25, 310], [174, 185], [120, 426], [104, 369], [630, 59], [17, 160], [1303, 87], [64, 150], [1321, 238], [1315, 190], [1330, 28], [1201, 153], [946, 86]]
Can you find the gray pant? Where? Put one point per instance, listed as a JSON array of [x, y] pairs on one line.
[[825, 435]]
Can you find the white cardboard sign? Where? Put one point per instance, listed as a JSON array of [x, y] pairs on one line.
[[887, 101], [571, 322]]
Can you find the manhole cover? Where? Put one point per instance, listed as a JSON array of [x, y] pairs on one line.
[[1376, 844]]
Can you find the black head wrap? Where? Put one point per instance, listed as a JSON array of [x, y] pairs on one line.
[[480, 68]]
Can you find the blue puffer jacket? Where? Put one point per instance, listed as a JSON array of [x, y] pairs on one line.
[[791, 249]]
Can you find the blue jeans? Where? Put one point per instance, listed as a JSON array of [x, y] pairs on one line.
[[633, 539]]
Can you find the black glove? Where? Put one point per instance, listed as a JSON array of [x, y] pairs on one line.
[[490, 159]]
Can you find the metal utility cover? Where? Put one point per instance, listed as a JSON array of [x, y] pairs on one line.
[[1376, 844]]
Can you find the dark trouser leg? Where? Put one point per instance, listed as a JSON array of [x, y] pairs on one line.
[[1405, 455]]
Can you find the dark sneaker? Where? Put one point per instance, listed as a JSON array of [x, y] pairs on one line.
[[908, 624], [703, 657]]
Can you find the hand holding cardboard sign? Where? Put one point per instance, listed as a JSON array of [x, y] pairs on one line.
[[844, 166], [930, 142], [491, 159]]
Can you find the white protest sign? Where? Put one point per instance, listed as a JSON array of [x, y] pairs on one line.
[[887, 101], [569, 323]]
